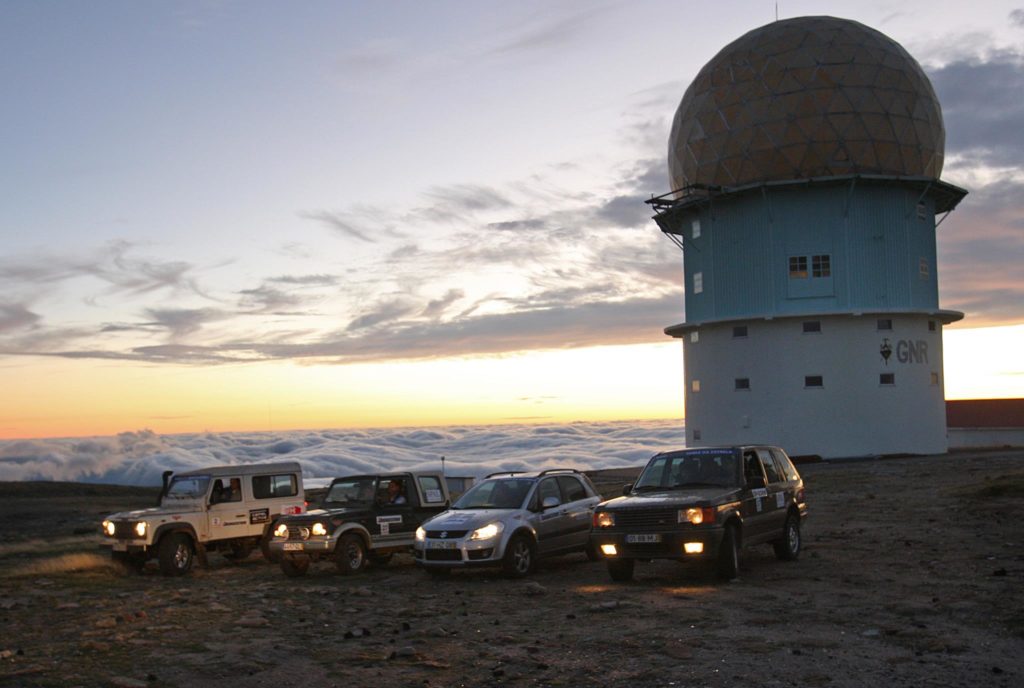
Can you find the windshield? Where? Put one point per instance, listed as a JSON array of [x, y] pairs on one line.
[[188, 487], [699, 468], [504, 493], [351, 492]]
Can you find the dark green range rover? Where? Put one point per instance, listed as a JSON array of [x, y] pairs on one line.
[[703, 504]]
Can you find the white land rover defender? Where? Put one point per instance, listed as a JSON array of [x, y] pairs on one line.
[[232, 509]]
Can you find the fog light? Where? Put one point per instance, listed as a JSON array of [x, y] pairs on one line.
[[693, 547], [609, 550]]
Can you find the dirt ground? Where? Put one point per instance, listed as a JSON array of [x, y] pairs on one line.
[[911, 574]]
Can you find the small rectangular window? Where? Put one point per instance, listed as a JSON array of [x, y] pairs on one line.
[[814, 381], [742, 383], [931, 325], [694, 337], [695, 229], [921, 211], [798, 267], [739, 331], [935, 379], [885, 324], [821, 266], [698, 282], [695, 385], [887, 379], [696, 435], [271, 486], [811, 326], [923, 268]]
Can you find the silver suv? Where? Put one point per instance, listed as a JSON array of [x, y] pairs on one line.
[[510, 520]]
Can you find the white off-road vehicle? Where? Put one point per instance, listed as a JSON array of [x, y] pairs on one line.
[[232, 509]]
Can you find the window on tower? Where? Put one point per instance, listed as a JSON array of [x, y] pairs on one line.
[[798, 267], [698, 282], [742, 383], [739, 331], [814, 381], [821, 266]]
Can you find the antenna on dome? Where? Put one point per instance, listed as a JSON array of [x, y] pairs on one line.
[[776, 11]]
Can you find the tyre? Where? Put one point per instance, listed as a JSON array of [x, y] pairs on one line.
[[380, 559], [294, 567], [728, 565], [350, 554], [621, 570], [788, 548], [268, 535], [519, 556], [175, 554]]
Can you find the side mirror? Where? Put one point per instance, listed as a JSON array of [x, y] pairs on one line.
[[549, 503], [627, 488]]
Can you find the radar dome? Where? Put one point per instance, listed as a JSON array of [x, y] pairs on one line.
[[806, 97]]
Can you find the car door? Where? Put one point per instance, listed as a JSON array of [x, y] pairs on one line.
[[227, 516], [776, 502], [395, 523], [579, 509], [754, 497], [551, 523]]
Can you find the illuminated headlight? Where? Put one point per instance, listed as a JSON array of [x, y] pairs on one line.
[[281, 530], [693, 547], [421, 534], [604, 519], [696, 516], [108, 528], [487, 532], [319, 529], [140, 529]]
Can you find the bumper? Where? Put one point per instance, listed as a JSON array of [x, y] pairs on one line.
[[669, 545], [461, 553], [131, 546], [318, 547]]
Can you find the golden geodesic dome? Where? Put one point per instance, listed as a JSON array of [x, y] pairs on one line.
[[806, 97]]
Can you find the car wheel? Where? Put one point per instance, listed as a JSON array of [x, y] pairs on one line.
[[175, 554], [350, 555], [621, 570], [518, 560], [268, 534], [728, 565], [380, 559], [788, 548], [294, 567]]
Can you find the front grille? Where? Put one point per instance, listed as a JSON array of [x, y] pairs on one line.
[[448, 534], [646, 518], [123, 530], [444, 555], [298, 532]]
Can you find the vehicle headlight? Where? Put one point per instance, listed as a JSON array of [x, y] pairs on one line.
[[319, 529], [140, 529], [488, 531], [421, 534], [108, 528], [281, 530], [604, 519], [696, 516]]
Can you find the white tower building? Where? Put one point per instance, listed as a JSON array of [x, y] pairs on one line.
[[805, 161]]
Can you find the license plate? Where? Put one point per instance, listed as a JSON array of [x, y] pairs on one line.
[[441, 544], [294, 546], [644, 538]]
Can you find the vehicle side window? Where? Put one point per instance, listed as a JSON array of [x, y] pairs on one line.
[[430, 486], [751, 467], [572, 489], [770, 471], [548, 488], [272, 486], [785, 465]]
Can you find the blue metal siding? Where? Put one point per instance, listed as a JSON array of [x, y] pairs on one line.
[[872, 234]]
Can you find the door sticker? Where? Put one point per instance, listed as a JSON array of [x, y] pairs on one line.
[[758, 503], [759, 492], [780, 499], [433, 495], [259, 516]]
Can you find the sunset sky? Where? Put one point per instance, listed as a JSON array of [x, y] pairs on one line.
[[260, 216]]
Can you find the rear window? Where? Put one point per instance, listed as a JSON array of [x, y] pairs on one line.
[[770, 470], [430, 486], [271, 486]]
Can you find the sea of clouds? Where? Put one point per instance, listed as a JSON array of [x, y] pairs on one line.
[[139, 458]]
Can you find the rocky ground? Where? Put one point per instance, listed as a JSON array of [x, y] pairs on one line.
[[911, 574]]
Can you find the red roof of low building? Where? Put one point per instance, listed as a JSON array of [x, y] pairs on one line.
[[985, 413]]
